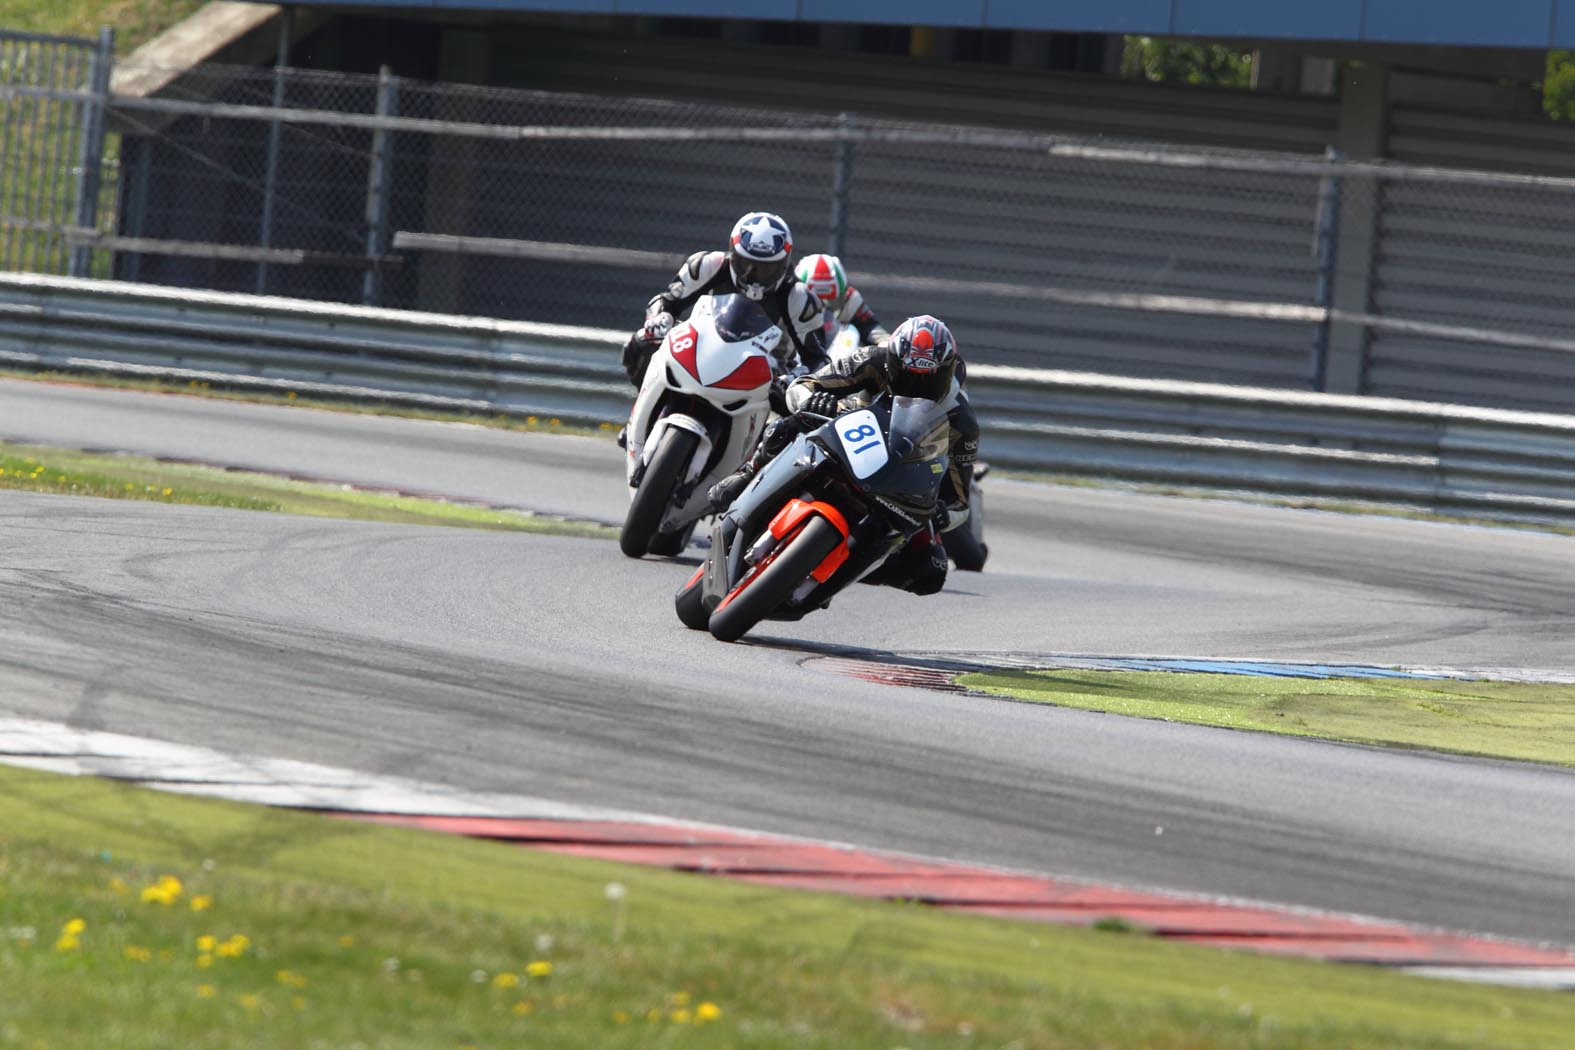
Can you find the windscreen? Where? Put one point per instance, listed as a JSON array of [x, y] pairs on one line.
[[738, 319], [919, 430]]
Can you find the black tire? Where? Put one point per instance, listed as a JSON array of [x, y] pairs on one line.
[[656, 491], [777, 581], [969, 553], [691, 613], [671, 544]]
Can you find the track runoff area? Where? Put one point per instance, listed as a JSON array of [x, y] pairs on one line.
[[799, 863]]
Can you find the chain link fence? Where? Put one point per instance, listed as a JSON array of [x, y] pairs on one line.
[[1039, 250], [51, 147]]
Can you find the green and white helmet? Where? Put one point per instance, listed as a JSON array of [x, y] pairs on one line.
[[825, 278]]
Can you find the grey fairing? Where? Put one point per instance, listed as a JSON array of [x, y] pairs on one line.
[[767, 492]]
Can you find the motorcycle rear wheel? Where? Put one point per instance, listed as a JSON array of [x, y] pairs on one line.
[[789, 567], [651, 499], [966, 550]]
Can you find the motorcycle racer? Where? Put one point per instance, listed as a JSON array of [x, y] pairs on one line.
[[756, 265], [918, 360], [845, 306]]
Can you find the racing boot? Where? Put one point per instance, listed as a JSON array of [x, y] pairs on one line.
[[724, 492]]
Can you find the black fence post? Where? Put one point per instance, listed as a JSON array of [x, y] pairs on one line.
[[1326, 238], [841, 186], [379, 179], [91, 160]]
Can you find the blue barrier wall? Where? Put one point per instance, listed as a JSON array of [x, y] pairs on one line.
[[1503, 23]]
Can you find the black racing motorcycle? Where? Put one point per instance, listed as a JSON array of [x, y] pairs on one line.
[[825, 512]]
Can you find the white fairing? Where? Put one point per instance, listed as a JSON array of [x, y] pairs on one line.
[[840, 339], [669, 381]]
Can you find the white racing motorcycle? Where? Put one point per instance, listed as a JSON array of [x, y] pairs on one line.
[[699, 413]]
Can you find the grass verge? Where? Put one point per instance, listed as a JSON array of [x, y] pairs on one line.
[[137, 919], [38, 469], [1495, 719], [135, 21], [203, 388]]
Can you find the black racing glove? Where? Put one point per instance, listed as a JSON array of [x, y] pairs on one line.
[[819, 403], [778, 396]]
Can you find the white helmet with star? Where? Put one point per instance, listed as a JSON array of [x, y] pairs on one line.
[[758, 253]]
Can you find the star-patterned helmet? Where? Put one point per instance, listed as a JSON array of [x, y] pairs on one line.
[[757, 253], [826, 280], [924, 356]]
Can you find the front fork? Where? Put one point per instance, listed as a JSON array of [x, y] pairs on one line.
[[781, 477]]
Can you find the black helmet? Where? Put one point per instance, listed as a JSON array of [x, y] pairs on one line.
[[924, 358]]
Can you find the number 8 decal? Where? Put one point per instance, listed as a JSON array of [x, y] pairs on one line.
[[861, 426], [860, 433]]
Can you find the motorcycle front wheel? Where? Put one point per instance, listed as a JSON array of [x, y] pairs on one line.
[[651, 499], [768, 585]]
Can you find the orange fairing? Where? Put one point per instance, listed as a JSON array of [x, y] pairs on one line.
[[792, 517]]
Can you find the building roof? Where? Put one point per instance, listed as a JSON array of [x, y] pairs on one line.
[[1504, 23]]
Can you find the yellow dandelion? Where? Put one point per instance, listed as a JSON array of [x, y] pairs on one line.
[[530, 420], [678, 999], [506, 980], [707, 1011], [67, 943], [204, 961], [234, 947], [539, 968], [73, 927], [136, 953], [118, 884], [206, 991], [346, 941], [207, 942], [291, 978], [169, 492], [621, 1017], [679, 1017], [129, 486], [249, 1001], [522, 1008], [290, 396], [201, 902]]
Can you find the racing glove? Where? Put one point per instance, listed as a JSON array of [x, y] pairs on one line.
[[820, 403], [778, 395], [656, 328]]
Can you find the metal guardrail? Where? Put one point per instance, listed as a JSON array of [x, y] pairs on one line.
[[1449, 458]]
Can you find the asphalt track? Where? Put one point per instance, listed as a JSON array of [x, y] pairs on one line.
[[554, 667]]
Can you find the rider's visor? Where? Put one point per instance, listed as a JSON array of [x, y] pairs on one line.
[[768, 273]]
